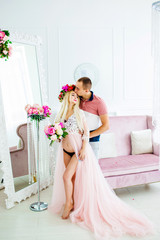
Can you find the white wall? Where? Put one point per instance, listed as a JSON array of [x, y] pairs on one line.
[[114, 35]]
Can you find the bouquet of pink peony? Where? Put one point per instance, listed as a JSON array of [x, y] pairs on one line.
[[55, 132], [36, 112], [5, 48]]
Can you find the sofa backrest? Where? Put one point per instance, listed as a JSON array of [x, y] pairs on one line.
[[122, 126]]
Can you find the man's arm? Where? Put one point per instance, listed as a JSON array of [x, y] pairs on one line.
[[104, 127]]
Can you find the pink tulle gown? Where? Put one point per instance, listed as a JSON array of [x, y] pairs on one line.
[[96, 206]]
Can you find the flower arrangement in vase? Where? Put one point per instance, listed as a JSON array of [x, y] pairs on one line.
[[36, 112], [5, 47]]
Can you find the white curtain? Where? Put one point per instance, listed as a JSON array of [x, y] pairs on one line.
[[156, 57]]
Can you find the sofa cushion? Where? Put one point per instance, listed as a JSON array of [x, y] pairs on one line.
[[122, 126], [129, 164], [141, 141], [107, 146]]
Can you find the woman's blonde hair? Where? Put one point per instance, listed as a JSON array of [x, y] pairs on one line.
[[64, 108]]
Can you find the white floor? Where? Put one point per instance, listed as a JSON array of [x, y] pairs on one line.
[[20, 223]]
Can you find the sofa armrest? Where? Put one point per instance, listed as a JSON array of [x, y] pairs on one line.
[[156, 148]]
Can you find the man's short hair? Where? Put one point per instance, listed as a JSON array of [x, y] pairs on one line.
[[86, 82]]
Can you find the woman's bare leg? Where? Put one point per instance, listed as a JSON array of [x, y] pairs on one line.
[[68, 185], [67, 159], [73, 180]]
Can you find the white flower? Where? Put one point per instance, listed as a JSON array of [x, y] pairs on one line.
[[5, 38], [59, 131], [5, 52], [54, 137]]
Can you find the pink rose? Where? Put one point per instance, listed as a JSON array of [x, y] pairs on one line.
[[27, 107], [30, 111], [46, 130], [46, 110], [36, 106], [45, 107], [41, 111], [35, 111], [2, 35], [51, 131], [49, 112]]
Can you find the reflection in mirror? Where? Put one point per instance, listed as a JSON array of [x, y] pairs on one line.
[[20, 85]]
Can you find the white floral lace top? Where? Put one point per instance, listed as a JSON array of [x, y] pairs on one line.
[[71, 124], [72, 127]]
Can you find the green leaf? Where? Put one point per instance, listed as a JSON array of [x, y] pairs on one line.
[[6, 32], [65, 134]]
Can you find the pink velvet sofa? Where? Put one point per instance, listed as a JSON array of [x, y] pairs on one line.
[[126, 169]]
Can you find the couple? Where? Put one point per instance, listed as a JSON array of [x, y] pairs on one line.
[[80, 189]]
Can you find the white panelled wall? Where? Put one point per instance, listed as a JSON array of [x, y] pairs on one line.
[[113, 35]]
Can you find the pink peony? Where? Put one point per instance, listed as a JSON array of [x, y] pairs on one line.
[[46, 130], [27, 107], [36, 106], [65, 88], [61, 124], [45, 107], [51, 131], [49, 112], [35, 111], [2, 35], [46, 110], [30, 111], [41, 111]]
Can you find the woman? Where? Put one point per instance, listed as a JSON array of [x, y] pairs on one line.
[[79, 184]]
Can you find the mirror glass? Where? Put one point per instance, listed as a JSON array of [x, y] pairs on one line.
[[20, 85]]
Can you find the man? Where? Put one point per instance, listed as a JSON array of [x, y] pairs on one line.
[[95, 111]]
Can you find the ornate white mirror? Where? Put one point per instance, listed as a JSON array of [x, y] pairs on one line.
[[22, 81]]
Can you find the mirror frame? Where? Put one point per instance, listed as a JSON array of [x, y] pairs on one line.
[[22, 194]]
